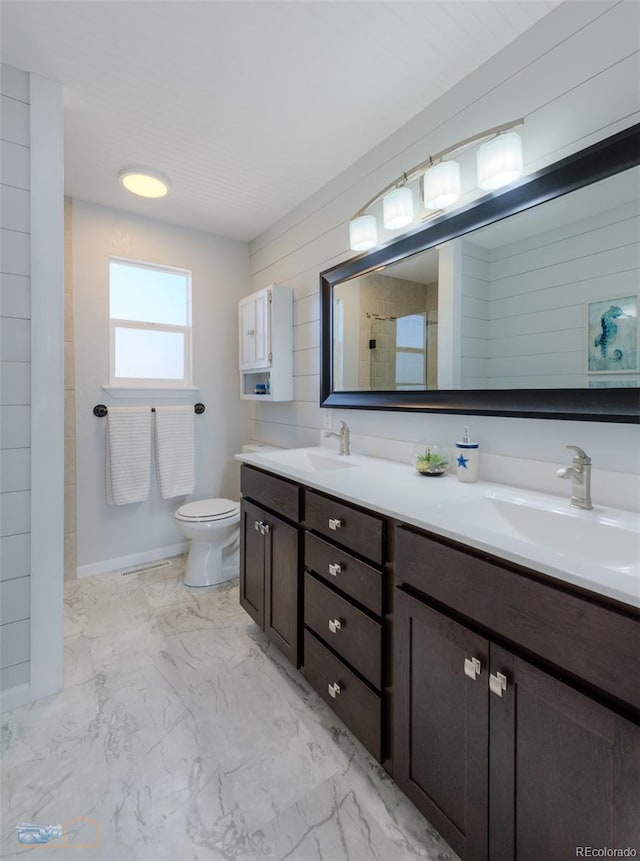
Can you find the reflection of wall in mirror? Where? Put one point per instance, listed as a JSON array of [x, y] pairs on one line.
[[528, 328]]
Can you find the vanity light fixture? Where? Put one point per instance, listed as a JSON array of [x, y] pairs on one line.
[[363, 233], [143, 182], [397, 208], [441, 185], [499, 162]]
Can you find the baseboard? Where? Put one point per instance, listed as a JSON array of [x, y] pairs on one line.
[[121, 562], [19, 695]]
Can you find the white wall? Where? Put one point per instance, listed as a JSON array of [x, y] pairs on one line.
[[109, 536], [575, 77]]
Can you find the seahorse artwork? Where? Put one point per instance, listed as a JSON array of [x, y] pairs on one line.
[[609, 331]]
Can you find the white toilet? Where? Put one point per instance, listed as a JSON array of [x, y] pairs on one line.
[[213, 527]]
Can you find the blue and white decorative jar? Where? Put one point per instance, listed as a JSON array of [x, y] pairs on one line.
[[467, 458]]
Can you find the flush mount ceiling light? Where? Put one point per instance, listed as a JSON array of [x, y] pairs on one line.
[[143, 182], [499, 162]]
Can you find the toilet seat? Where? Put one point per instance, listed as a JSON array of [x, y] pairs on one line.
[[207, 510]]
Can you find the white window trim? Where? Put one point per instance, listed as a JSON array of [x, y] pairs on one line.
[[151, 392], [140, 386]]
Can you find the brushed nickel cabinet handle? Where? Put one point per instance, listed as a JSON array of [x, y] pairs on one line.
[[335, 625], [497, 684], [472, 667], [334, 690], [334, 569], [334, 523]]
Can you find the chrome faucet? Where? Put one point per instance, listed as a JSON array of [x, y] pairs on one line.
[[343, 436], [580, 474]]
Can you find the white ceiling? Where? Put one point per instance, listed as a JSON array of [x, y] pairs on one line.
[[248, 107]]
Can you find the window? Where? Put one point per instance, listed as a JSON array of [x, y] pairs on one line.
[[150, 324]]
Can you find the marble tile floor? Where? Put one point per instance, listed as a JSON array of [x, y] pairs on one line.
[[185, 735]]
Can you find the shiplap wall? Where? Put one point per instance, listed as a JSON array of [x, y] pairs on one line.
[[15, 391], [575, 77]]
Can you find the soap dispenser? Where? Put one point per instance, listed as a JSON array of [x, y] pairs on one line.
[[467, 458]]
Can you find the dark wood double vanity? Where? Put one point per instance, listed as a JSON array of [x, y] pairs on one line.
[[504, 703]]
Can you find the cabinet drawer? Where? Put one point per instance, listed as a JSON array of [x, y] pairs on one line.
[[591, 642], [353, 577], [354, 703], [278, 494], [356, 637], [345, 525]]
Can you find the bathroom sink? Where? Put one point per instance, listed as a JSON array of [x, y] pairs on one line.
[[604, 537], [308, 460]]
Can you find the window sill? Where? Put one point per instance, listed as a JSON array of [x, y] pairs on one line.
[[150, 392]]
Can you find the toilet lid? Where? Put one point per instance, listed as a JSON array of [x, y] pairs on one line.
[[207, 509]]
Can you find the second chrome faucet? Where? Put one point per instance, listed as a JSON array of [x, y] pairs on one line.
[[343, 436]]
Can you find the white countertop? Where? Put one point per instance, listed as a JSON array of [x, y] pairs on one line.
[[598, 550]]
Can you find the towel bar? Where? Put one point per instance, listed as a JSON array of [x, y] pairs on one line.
[[100, 410]]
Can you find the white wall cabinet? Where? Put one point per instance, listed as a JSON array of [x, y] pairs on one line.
[[266, 344]]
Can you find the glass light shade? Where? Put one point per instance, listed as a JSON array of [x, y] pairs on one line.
[[144, 184], [363, 233], [441, 185], [397, 208], [500, 161]]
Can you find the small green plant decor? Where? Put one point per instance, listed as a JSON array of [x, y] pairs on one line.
[[431, 462]]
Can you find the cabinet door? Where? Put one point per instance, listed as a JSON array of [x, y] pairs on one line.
[[252, 562], [440, 723], [564, 771], [262, 337], [282, 564], [246, 333]]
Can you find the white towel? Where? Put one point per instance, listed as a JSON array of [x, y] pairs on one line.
[[175, 450], [128, 471]]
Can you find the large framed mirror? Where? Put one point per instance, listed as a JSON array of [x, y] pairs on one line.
[[524, 303]]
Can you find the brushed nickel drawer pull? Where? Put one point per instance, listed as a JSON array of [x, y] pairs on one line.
[[472, 667], [497, 684], [334, 625], [266, 529], [334, 690], [256, 525], [334, 523], [334, 568]]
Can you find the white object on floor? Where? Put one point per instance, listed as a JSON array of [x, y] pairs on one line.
[[128, 463], [175, 450], [213, 527]]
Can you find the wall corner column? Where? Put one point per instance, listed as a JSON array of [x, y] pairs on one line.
[[47, 386]]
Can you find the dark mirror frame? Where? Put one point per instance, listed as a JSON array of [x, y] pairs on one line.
[[599, 161]]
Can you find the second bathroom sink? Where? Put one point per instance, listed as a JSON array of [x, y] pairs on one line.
[[605, 537]]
